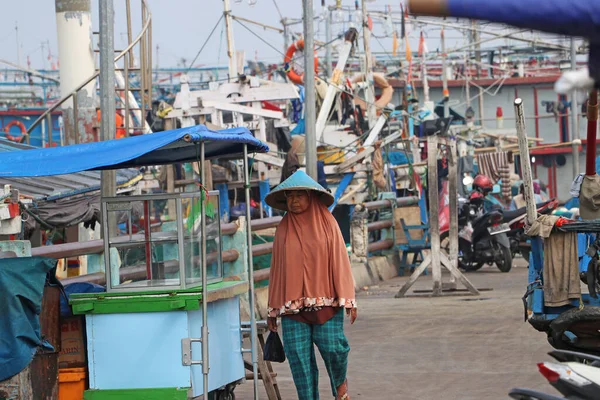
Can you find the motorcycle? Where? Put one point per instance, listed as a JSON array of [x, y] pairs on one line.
[[528, 394], [516, 221], [482, 237], [576, 376]]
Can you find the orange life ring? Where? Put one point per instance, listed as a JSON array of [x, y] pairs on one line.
[[20, 125], [387, 91], [289, 55]]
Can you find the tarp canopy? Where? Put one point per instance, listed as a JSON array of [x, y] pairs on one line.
[[167, 147], [21, 289], [572, 17]]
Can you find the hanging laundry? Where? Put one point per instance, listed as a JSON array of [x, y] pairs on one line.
[[491, 164], [394, 44], [561, 262]]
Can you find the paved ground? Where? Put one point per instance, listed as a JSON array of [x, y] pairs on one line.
[[438, 348]]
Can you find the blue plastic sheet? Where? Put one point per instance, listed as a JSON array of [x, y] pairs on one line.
[[22, 283], [566, 17], [167, 147]]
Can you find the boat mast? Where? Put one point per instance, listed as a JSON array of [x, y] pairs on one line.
[[233, 72], [369, 92], [18, 44]]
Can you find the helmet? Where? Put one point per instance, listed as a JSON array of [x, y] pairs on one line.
[[483, 184]]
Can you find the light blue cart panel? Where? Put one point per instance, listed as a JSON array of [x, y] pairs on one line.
[[224, 345], [143, 350], [137, 351]]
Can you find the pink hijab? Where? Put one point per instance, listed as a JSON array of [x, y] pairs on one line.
[[310, 267]]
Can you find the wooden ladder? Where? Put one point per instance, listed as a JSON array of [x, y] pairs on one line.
[[265, 369]]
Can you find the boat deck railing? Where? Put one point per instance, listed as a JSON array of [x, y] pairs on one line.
[[134, 120]]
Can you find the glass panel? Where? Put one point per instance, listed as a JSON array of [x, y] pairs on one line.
[[193, 239], [144, 243]]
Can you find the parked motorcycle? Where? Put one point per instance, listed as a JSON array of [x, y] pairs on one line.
[[482, 236], [576, 375], [528, 394]]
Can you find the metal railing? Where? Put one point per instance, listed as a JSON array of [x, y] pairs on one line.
[[68, 250], [143, 41]]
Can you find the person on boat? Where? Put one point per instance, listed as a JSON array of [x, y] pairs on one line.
[[519, 200], [310, 285]]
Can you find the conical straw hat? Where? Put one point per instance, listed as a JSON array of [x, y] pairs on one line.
[[298, 181]]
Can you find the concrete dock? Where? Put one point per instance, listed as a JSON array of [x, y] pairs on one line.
[[455, 347]]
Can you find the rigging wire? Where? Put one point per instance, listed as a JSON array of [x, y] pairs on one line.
[[205, 42]]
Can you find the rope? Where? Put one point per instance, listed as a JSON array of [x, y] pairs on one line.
[[341, 89], [205, 43]]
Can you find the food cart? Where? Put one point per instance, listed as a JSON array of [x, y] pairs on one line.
[[174, 329]]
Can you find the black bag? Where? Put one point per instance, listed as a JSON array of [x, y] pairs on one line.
[[273, 350]]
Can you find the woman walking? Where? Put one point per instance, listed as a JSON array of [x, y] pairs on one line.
[[310, 284]]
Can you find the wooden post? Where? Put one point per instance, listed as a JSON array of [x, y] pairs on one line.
[[453, 193], [437, 259], [434, 223], [525, 162], [536, 242]]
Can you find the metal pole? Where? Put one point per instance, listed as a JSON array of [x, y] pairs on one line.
[[129, 33], [107, 87], [328, 61], [574, 115], [18, 44], [369, 89], [205, 362], [309, 94], [286, 42], [592, 129], [230, 45], [251, 299], [445, 92]]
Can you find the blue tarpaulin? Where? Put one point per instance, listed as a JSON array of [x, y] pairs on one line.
[[572, 17], [167, 147], [21, 289]]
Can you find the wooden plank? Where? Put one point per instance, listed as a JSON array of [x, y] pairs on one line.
[[366, 152], [271, 160], [240, 109], [265, 374], [458, 275], [434, 223], [525, 162], [415, 275], [411, 216]]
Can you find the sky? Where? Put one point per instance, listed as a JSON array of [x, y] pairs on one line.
[[180, 27]]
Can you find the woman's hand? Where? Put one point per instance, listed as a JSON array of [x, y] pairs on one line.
[[272, 324], [352, 313]]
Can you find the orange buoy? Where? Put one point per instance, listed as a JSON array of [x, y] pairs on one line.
[[387, 91], [289, 55], [21, 127]]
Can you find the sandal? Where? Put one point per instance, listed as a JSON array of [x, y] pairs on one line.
[[345, 396]]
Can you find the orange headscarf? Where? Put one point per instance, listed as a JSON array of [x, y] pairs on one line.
[[310, 267]]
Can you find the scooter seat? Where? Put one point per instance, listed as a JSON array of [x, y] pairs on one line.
[[510, 215]]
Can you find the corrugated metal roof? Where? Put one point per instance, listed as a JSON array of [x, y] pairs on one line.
[[56, 187]]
